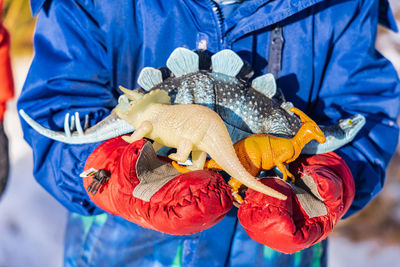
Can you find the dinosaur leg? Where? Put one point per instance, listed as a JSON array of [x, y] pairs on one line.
[[212, 165], [183, 150], [290, 175], [285, 172], [180, 168], [198, 159], [144, 128], [157, 146], [235, 185]]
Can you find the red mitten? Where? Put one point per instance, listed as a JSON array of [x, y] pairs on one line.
[[180, 203], [6, 78], [320, 197]]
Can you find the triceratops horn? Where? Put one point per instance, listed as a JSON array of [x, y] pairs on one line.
[[131, 94]]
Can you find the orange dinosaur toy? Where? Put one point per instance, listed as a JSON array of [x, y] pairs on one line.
[[263, 151]]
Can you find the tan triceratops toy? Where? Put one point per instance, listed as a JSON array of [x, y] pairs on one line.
[[188, 128]]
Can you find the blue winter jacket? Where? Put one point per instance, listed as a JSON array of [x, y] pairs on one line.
[[85, 49]]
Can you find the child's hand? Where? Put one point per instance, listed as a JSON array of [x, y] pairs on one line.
[[321, 196], [178, 203]]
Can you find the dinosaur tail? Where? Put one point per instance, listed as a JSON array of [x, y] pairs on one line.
[[225, 158], [109, 127]]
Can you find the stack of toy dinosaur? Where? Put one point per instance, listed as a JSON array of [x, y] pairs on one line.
[[219, 84]]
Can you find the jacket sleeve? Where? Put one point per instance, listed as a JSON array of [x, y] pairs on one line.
[[360, 80], [69, 74]]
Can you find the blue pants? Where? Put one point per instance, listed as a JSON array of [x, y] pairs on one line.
[[108, 240]]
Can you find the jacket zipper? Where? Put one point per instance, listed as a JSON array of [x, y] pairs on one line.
[[220, 21]]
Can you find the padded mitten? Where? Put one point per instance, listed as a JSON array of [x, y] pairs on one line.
[[320, 197], [182, 204]]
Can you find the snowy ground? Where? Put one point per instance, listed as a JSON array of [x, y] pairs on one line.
[[32, 223], [344, 253]]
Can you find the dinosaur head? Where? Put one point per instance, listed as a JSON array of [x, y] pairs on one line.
[[351, 126], [133, 102], [309, 125]]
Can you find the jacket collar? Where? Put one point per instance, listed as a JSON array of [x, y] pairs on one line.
[[286, 7], [257, 14], [36, 5], [386, 17]]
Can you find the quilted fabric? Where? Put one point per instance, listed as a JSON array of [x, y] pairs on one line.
[[187, 204], [289, 227]]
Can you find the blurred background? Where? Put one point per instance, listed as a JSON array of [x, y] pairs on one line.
[[32, 223]]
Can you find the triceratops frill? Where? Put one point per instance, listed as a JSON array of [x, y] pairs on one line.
[[220, 83]]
